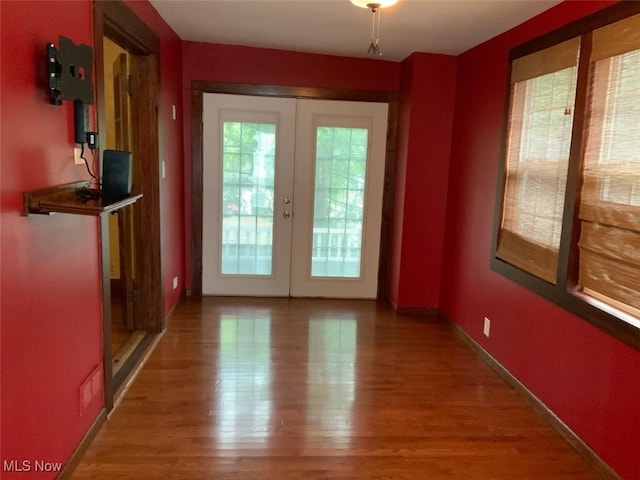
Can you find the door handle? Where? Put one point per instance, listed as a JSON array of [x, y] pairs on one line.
[[286, 214]]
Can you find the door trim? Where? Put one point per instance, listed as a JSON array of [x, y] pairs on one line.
[[116, 20], [199, 88]]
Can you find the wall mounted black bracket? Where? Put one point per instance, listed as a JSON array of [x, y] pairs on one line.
[[70, 71]]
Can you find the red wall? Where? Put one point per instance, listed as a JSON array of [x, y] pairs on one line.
[[589, 379], [51, 323], [50, 288], [226, 63], [427, 99]]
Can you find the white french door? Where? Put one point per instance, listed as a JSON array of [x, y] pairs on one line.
[[248, 152], [339, 177], [292, 196]]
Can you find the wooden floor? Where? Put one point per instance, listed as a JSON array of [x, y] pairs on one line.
[[317, 389]]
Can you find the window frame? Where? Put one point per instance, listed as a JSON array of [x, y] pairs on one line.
[[565, 293]]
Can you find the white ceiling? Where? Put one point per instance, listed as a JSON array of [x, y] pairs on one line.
[[339, 28]]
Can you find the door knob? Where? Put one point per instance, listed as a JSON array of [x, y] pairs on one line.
[[286, 200], [286, 214]]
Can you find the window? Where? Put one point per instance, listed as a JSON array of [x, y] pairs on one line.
[[541, 115], [610, 205], [338, 215], [568, 208]]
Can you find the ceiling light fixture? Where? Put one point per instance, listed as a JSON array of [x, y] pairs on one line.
[[375, 7]]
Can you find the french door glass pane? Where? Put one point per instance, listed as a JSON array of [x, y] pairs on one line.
[[341, 164], [248, 172]]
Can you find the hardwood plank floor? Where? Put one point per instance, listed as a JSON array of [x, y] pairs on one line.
[[320, 389]]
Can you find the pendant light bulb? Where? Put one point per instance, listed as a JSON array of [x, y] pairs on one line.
[[373, 4]]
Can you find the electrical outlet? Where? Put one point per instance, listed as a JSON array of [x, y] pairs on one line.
[[487, 327], [175, 282], [77, 151]]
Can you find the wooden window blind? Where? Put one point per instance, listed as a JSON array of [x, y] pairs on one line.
[[609, 212], [543, 88], [567, 213]]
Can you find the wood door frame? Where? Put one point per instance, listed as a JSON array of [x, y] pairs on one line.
[[199, 88], [126, 239], [117, 21]]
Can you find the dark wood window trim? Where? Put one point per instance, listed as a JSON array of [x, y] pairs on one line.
[[198, 88], [565, 293]]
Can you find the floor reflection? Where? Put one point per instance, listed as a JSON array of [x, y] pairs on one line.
[[247, 373], [280, 389], [243, 389], [331, 378]]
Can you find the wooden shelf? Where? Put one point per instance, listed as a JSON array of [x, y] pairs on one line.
[[68, 198]]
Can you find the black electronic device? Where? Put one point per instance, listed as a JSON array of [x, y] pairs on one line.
[[116, 174], [80, 121], [92, 140]]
